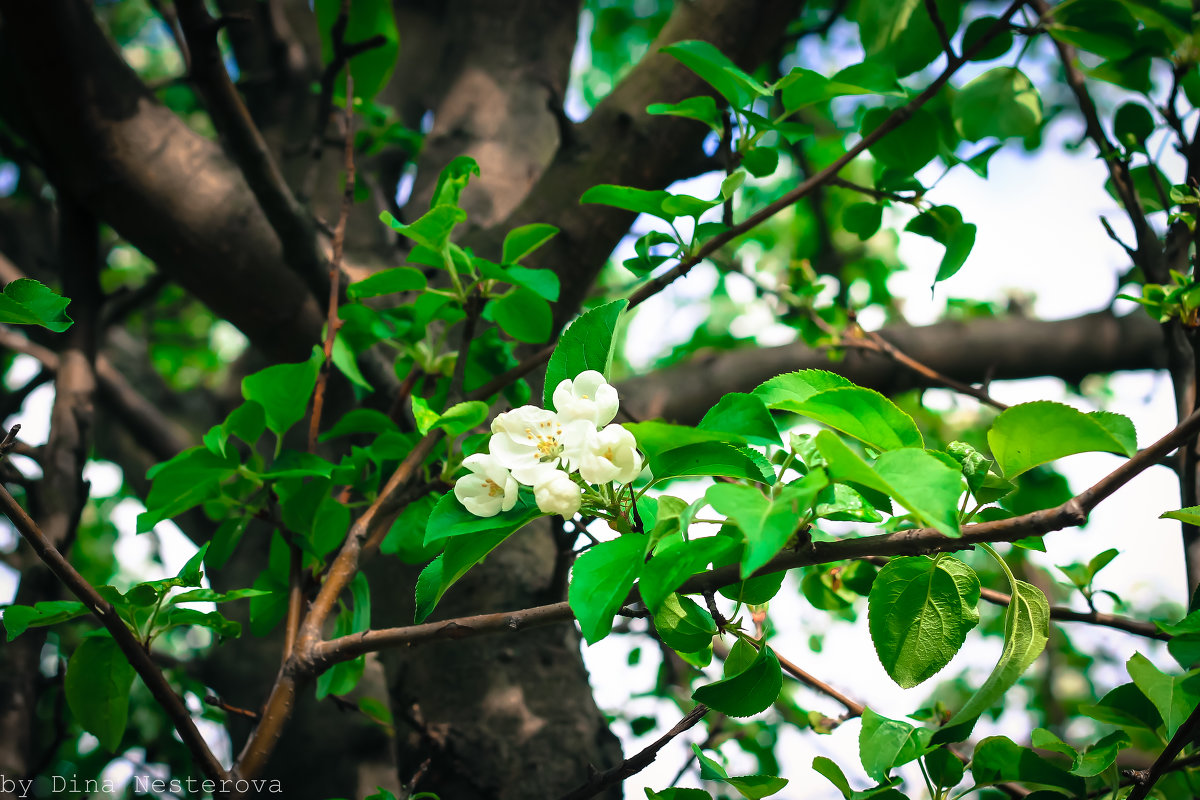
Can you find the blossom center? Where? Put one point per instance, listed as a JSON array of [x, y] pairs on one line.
[[494, 489], [546, 438]]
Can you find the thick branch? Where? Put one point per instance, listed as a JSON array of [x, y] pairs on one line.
[[970, 352], [1115, 621]]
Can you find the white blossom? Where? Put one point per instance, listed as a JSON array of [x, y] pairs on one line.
[[531, 441], [489, 489], [556, 493], [606, 456], [587, 397]]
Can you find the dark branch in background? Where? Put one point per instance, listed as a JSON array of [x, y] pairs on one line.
[[171, 20], [879, 344], [871, 191], [637, 762], [939, 24], [172, 704], [245, 144], [968, 352]]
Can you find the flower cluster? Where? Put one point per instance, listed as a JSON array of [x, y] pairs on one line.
[[544, 449]]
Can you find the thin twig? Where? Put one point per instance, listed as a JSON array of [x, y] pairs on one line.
[[332, 323], [638, 761], [877, 194], [878, 344], [936, 17]]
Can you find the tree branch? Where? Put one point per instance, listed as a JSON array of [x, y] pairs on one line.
[[287, 216], [1144, 780], [172, 704], [1064, 614]]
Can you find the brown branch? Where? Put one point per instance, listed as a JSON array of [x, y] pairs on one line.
[[172, 704], [653, 286], [939, 24], [637, 762], [1144, 780], [1064, 614], [246, 145], [335, 269], [853, 707], [872, 192], [877, 343]]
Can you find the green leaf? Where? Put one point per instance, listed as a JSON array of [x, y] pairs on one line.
[[674, 793], [715, 459], [1146, 180], [715, 68], [834, 401], [18, 619], [920, 480], [1127, 706], [432, 229], [452, 182], [997, 46], [884, 744], [862, 219], [1174, 696], [371, 69], [639, 201], [703, 109], [752, 787], [97, 686], [284, 390], [962, 241], [1027, 435], [1026, 630], [803, 87], [213, 596], [520, 242], [542, 282], [910, 146], [684, 625], [1133, 125], [1103, 27], [461, 553], [761, 162], [586, 344], [767, 524], [601, 579], [1001, 102], [745, 415], [344, 359], [1189, 515], [28, 302], [748, 692], [523, 315], [388, 281], [450, 519], [920, 610], [674, 564], [901, 33], [998, 759], [185, 481], [185, 617], [361, 420]]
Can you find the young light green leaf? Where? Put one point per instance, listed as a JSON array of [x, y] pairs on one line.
[[522, 314], [884, 744], [919, 611], [97, 686], [1001, 102], [1030, 434], [901, 33], [748, 692], [28, 302], [388, 281], [912, 145], [639, 201], [1174, 696], [1126, 706], [702, 108], [834, 401], [767, 524], [674, 564], [520, 242], [185, 481], [586, 344], [1189, 515], [718, 72], [601, 580], [284, 390], [920, 480], [461, 553], [1026, 630]]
